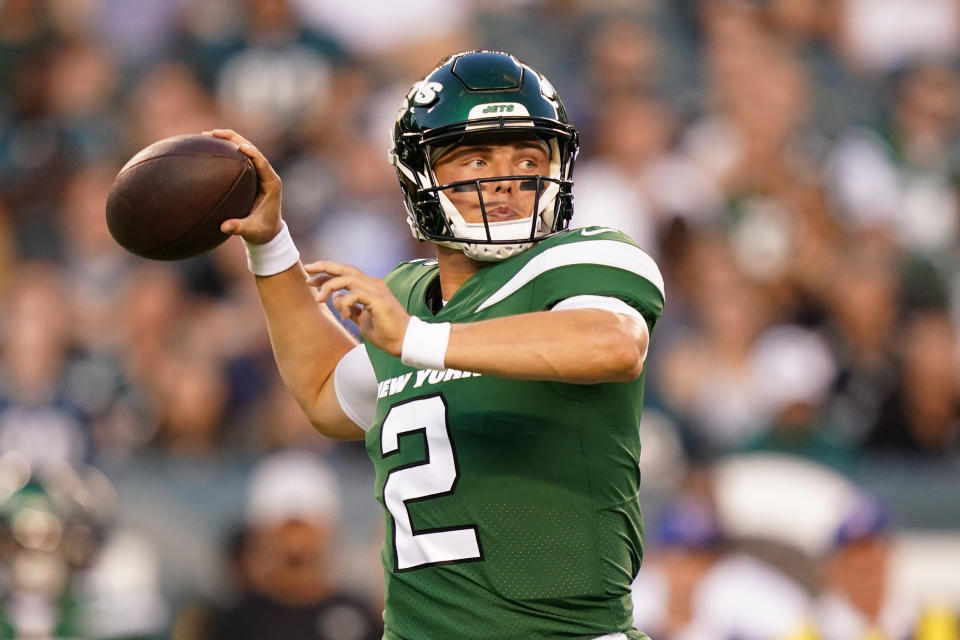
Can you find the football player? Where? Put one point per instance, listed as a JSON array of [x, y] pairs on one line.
[[499, 386]]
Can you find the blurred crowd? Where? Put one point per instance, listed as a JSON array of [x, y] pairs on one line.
[[792, 165]]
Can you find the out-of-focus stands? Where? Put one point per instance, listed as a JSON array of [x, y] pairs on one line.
[[791, 164]]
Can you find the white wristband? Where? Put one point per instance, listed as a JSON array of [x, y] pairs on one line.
[[425, 344], [272, 257]]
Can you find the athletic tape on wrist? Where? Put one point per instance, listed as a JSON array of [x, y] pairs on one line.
[[425, 344], [272, 257]]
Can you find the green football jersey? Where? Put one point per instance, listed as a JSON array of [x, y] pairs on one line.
[[511, 505]]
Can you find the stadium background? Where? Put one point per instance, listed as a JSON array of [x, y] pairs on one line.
[[791, 164]]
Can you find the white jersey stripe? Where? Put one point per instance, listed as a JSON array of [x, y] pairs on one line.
[[608, 253], [598, 302]]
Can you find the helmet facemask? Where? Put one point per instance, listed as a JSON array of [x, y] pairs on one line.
[[433, 216]]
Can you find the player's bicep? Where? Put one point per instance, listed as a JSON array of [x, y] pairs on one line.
[[347, 402], [328, 417], [627, 313]]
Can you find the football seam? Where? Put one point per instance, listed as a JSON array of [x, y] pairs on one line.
[[212, 154], [215, 208]]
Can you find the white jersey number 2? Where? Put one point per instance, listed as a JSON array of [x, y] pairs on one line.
[[434, 477]]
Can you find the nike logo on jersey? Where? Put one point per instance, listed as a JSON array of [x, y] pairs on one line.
[[395, 385], [596, 232]]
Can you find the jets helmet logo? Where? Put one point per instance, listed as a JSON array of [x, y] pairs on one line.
[[427, 94]]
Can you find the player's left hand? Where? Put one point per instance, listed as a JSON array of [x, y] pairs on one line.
[[364, 299]]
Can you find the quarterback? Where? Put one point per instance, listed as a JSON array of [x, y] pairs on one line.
[[498, 386]]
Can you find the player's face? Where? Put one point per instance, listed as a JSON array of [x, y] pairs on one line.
[[504, 199]]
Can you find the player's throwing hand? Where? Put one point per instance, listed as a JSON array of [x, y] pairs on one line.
[[264, 222], [365, 300]]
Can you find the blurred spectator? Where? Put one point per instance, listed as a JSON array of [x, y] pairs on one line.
[[683, 548], [799, 504], [268, 75], [35, 157], [795, 371], [705, 374], [884, 34], [752, 594], [709, 577], [287, 560], [24, 29], [900, 178], [283, 424], [62, 394], [779, 526], [922, 415], [136, 32], [82, 81], [412, 35], [810, 29], [37, 417], [859, 599], [168, 100], [856, 600], [631, 133], [58, 559], [624, 59], [121, 590], [150, 308], [97, 269], [193, 400], [364, 207], [760, 96], [863, 307]]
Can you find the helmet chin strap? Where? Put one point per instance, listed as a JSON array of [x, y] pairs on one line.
[[504, 230]]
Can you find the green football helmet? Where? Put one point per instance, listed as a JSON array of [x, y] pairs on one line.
[[473, 96]]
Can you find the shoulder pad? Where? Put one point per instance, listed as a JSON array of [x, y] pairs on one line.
[[405, 275], [583, 248]]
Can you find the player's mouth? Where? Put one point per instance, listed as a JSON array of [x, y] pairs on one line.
[[501, 213]]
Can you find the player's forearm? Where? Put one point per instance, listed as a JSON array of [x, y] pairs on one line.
[[307, 340], [584, 346]]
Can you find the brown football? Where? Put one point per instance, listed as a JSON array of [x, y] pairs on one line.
[[169, 200]]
